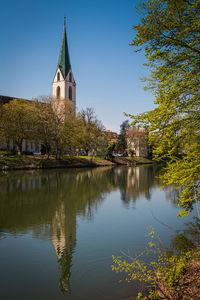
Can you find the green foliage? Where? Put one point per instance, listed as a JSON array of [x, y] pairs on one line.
[[169, 31], [92, 131], [109, 151], [121, 142], [132, 152], [139, 296], [17, 121], [38, 121], [164, 270], [7, 153]]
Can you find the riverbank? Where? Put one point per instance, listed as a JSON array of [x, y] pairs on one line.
[[187, 286], [26, 162]]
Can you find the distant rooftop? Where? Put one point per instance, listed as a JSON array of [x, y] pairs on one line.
[[7, 99]]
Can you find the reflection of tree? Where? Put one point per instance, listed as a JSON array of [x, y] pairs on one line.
[[136, 182], [188, 238], [172, 193], [48, 203]]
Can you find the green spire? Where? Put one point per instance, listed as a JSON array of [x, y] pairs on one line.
[[64, 60]]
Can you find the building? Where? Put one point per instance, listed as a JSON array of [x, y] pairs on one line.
[[137, 144], [112, 136], [64, 85]]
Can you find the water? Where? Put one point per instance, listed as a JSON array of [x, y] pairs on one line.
[[59, 229]]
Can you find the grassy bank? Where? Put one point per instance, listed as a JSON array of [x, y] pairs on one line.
[[187, 283], [140, 160], [25, 162]]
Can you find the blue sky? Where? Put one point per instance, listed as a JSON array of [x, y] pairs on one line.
[[106, 69]]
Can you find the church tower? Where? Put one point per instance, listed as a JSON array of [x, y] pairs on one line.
[[64, 85]]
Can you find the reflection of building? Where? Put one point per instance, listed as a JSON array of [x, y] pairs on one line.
[[137, 142], [135, 182], [49, 203], [64, 241]]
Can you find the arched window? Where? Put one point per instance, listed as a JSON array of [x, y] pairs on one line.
[[70, 77], [70, 93], [58, 92], [58, 76]]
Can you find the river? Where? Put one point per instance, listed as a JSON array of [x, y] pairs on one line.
[[59, 229]]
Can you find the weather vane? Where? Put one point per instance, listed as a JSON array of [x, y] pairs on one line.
[[65, 20]]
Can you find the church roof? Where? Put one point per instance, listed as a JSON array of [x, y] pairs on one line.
[[64, 60]]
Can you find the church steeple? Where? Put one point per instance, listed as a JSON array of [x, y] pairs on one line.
[[64, 59], [64, 85]]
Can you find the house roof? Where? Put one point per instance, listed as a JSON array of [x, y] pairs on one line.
[[7, 99], [64, 60], [135, 130]]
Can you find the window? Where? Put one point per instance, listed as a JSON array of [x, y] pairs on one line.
[[70, 93], [58, 92], [58, 76], [70, 77]]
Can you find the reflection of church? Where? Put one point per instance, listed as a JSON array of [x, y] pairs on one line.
[[50, 203], [64, 242]]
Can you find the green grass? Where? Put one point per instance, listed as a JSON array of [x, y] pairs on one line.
[[10, 160], [92, 157], [20, 162]]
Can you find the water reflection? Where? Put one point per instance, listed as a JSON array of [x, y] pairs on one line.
[[48, 203], [188, 238], [136, 182]]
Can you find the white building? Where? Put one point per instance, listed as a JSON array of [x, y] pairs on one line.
[[137, 143]]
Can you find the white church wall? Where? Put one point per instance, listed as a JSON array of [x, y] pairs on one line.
[[60, 83], [71, 83]]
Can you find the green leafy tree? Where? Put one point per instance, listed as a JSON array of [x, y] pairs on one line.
[[163, 273], [109, 151], [73, 134], [17, 122], [121, 142], [169, 31], [92, 130], [58, 135], [46, 124]]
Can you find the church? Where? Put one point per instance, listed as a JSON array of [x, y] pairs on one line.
[[63, 93], [64, 85]]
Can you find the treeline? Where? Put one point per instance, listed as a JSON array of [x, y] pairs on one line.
[[37, 121]]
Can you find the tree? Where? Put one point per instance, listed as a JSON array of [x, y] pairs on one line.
[[170, 33], [73, 134], [57, 134], [109, 151], [45, 123], [17, 122], [121, 142], [92, 130]]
